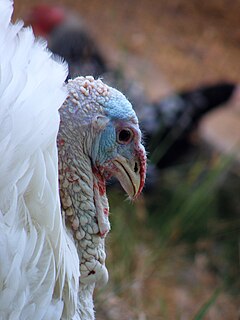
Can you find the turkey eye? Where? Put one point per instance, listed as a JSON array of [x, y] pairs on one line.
[[125, 136]]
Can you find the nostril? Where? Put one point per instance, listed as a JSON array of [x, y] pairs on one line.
[[136, 167]]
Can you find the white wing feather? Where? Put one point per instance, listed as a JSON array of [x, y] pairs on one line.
[[38, 261]]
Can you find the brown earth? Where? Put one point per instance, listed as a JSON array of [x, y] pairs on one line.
[[167, 46]]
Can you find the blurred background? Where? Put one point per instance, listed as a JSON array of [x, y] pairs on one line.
[[174, 253]]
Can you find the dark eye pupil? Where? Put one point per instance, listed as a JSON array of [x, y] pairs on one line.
[[124, 135]]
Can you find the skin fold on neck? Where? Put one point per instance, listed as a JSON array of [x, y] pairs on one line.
[[84, 207]]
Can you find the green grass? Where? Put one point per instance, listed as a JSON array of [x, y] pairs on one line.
[[207, 305], [186, 200], [185, 209]]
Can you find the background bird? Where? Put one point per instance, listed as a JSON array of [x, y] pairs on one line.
[[166, 123], [53, 255], [59, 27]]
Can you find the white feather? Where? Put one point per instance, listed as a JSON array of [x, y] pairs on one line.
[[39, 266]]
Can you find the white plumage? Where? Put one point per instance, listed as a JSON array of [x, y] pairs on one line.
[[39, 265], [45, 245]]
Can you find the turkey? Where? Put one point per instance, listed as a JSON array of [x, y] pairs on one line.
[[52, 247], [68, 37], [168, 123]]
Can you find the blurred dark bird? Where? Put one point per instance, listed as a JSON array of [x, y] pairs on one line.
[[167, 123], [67, 37], [176, 117]]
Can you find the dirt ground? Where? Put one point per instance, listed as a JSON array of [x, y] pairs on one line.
[[167, 46]]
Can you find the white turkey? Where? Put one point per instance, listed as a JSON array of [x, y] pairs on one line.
[[52, 250]]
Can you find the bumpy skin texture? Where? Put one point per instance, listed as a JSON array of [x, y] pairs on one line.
[[89, 153]]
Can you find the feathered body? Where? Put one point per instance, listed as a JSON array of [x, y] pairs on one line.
[[51, 256], [35, 250]]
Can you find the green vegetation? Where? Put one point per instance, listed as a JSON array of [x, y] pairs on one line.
[[204, 309], [188, 227]]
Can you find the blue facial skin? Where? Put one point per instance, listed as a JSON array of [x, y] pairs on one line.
[[107, 145], [108, 148], [117, 107], [120, 112]]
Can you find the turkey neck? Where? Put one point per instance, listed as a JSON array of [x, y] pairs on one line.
[[84, 207]]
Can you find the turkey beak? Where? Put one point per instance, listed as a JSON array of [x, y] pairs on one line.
[[131, 173]]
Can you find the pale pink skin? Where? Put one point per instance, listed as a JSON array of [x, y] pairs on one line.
[[82, 182]]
